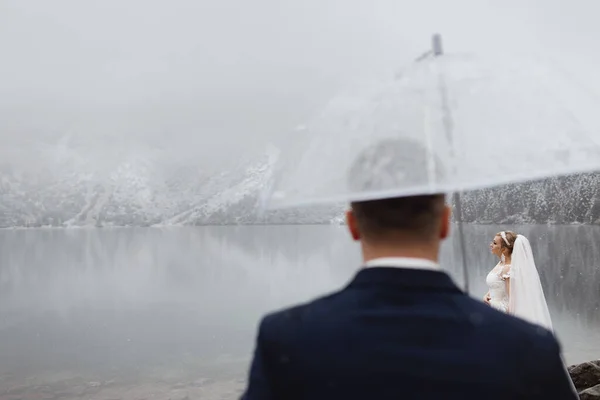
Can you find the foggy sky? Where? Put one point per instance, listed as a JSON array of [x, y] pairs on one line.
[[215, 79]]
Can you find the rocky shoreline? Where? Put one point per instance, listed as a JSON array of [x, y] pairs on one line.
[[586, 377]]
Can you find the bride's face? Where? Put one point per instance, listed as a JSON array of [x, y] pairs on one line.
[[495, 247]]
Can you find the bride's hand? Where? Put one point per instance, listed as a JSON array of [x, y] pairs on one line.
[[487, 298]]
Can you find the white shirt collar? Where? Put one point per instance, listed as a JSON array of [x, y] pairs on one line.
[[402, 262]]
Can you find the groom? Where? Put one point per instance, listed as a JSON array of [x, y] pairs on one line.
[[401, 329]]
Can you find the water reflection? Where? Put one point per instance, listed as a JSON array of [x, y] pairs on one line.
[[130, 299]]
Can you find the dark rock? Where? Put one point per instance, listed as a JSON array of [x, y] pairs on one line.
[[590, 394], [586, 377]]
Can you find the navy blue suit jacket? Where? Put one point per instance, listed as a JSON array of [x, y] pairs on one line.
[[397, 333]]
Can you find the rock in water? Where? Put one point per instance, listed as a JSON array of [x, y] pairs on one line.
[[586, 377], [590, 394]]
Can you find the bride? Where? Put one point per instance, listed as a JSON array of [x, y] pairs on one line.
[[514, 283]]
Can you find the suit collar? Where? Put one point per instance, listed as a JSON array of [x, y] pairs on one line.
[[404, 278]]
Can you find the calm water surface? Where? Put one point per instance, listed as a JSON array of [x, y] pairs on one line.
[[177, 305]]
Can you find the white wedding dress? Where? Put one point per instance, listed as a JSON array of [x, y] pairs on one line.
[[496, 281]]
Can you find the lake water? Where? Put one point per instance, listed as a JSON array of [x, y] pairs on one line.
[[169, 313]]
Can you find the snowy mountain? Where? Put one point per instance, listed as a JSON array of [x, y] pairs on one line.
[[139, 189], [571, 199], [55, 186]]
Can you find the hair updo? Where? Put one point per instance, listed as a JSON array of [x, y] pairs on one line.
[[511, 237]]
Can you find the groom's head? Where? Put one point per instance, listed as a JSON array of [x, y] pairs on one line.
[[394, 221], [410, 226]]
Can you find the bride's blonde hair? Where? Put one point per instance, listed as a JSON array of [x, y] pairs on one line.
[[510, 238]]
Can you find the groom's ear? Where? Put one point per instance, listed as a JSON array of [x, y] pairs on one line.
[[446, 218], [352, 225]]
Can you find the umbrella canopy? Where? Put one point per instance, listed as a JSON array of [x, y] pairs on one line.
[[443, 124]]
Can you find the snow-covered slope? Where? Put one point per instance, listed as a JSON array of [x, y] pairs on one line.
[[56, 185], [137, 188]]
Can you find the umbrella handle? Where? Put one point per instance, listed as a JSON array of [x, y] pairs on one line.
[[437, 50], [461, 238]]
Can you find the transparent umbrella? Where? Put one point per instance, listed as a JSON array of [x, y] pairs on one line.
[[480, 121]]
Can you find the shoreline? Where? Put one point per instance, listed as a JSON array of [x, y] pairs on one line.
[[186, 384]]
